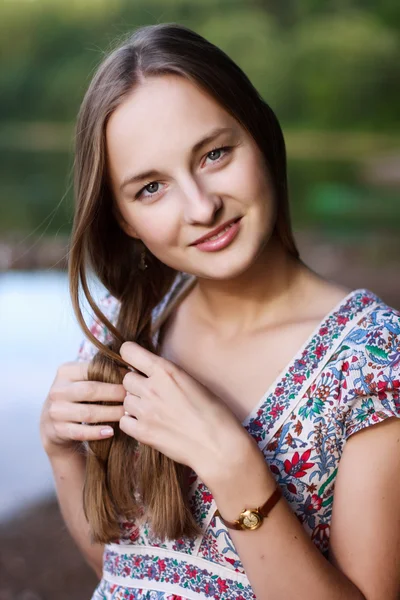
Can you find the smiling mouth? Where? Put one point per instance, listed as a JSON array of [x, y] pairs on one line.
[[217, 232]]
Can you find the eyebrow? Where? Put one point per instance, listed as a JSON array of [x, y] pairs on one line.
[[153, 174]]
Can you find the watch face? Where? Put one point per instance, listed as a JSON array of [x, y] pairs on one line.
[[251, 519]]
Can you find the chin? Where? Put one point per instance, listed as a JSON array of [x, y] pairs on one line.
[[222, 269]]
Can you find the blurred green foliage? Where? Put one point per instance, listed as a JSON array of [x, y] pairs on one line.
[[331, 66]]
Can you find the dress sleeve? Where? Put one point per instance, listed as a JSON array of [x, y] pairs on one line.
[[372, 381], [109, 306]]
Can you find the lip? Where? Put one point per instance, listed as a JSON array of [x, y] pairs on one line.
[[223, 240], [215, 231]]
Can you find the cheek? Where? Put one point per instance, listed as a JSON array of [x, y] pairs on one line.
[[251, 182], [261, 180], [156, 227]]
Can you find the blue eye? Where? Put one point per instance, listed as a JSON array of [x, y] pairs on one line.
[[152, 188], [217, 153]]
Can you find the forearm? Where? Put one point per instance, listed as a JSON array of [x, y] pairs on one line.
[[279, 558], [69, 476]]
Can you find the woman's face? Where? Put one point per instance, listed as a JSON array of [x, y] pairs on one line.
[[180, 167]]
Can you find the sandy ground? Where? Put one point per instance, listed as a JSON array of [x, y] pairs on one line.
[[39, 560]]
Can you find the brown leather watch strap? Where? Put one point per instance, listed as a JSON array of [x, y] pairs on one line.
[[266, 508], [263, 510]]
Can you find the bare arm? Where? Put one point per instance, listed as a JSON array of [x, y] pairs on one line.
[[280, 559], [67, 420], [69, 476]]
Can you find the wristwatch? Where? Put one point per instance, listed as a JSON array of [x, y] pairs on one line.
[[252, 518]]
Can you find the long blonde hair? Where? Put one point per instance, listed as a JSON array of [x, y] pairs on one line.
[[118, 469]]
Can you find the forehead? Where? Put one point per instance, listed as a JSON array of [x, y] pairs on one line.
[[160, 115], [162, 99]]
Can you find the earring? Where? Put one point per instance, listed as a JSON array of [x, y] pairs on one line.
[[142, 264]]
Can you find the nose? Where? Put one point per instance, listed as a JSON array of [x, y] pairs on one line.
[[201, 206]]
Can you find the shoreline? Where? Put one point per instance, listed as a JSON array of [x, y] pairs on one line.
[[354, 260]]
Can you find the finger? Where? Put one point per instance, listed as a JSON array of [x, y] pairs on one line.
[[136, 384], [86, 413], [95, 391], [140, 358], [134, 429], [85, 433], [133, 406]]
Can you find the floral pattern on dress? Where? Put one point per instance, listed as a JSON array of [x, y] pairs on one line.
[[217, 547], [314, 353], [358, 387], [345, 378], [110, 591], [175, 571], [274, 407]]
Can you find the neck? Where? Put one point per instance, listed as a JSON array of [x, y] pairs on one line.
[[260, 295]]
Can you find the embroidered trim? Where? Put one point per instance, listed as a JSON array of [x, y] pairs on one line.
[[169, 571]]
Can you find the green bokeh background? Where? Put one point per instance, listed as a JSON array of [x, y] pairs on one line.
[[331, 72]]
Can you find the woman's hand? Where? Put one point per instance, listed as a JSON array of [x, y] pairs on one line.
[[169, 410], [67, 419]]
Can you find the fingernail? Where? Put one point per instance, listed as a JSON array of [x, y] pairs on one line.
[[107, 431]]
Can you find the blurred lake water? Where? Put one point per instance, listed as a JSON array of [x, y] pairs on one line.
[[39, 333]]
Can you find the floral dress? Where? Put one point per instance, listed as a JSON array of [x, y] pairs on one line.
[[344, 378]]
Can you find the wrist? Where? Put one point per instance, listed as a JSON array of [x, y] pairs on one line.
[[223, 457], [242, 480], [252, 517], [63, 452]]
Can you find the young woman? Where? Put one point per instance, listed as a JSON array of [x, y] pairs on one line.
[[237, 410]]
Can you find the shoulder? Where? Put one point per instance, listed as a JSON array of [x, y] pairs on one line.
[[367, 366], [380, 321], [372, 341], [370, 336], [110, 306]]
